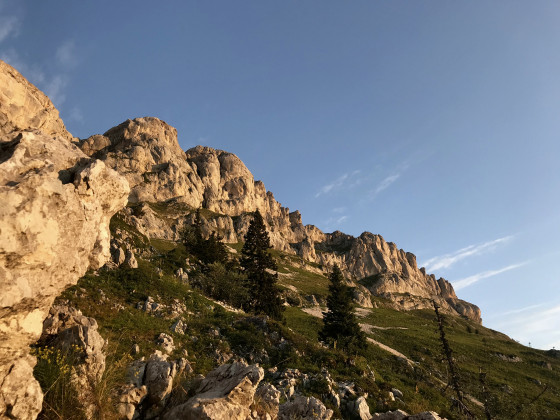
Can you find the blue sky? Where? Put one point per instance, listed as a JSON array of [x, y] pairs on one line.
[[434, 124]]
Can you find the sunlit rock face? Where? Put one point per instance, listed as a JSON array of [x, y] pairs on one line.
[[54, 225]]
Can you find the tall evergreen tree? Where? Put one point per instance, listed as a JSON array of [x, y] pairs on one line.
[[341, 328], [256, 263]]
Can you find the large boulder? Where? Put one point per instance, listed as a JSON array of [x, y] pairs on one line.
[[226, 393], [54, 225]]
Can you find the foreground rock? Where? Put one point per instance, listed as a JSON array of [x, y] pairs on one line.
[[226, 393], [56, 206]]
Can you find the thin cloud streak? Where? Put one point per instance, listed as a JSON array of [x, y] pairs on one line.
[[519, 310], [386, 183], [468, 281], [389, 180], [447, 260], [337, 183]]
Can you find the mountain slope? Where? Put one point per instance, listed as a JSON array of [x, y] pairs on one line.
[[146, 152]]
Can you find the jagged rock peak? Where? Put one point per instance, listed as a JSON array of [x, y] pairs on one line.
[[149, 130], [24, 107]]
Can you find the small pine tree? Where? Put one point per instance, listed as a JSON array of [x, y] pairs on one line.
[[341, 328], [256, 261]]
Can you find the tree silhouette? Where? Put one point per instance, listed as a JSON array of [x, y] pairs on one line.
[[341, 328], [257, 264]]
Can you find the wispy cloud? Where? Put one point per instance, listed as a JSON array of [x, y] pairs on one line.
[[337, 183], [468, 281], [384, 184], [53, 84], [55, 89], [66, 54], [528, 325], [519, 310], [34, 73], [9, 25], [388, 180], [447, 260]]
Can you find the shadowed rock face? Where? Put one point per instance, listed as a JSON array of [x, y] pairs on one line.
[[146, 151], [55, 212]]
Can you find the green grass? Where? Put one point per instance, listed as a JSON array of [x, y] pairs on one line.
[[473, 345], [303, 323], [163, 245]]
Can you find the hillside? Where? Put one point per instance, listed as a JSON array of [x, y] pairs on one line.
[[123, 321]]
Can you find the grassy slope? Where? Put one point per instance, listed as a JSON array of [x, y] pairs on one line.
[[474, 346]]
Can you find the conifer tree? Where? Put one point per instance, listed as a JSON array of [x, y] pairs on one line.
[[341, 328], [256, 261], [209, 250]]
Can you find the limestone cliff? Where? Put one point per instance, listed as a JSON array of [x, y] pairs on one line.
[[55, 212], [146, 152]]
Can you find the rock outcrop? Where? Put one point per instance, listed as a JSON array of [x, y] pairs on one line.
[[146, 152], [226, 393], [23, 107], [56, 206]]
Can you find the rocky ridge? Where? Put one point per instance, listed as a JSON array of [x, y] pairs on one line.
[[147, 153]]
